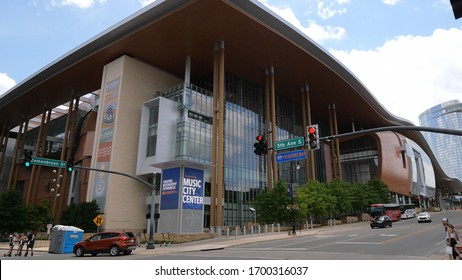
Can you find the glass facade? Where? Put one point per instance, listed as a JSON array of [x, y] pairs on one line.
[[446, 148], [245, 174], [359, 160]]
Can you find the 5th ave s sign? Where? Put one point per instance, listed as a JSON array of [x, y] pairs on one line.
[[289, 143]]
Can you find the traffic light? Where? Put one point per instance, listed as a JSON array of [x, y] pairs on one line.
[[27, 158], [313, 137], [70, 165], [261, 146]]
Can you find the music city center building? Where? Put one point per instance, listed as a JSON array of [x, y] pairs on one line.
[[178, 93]]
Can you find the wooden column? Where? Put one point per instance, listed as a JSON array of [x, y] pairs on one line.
[[35, 174], [273, 122], [269, 162], [213, 176], [221, 130], [337, 143], [3, 144], [308, 111]]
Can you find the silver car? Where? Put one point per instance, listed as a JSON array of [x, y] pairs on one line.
[[424, 217]]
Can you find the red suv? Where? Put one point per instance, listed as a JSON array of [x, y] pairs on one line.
[[107, 242]]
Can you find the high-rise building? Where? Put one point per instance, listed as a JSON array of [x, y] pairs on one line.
[[447, 148]]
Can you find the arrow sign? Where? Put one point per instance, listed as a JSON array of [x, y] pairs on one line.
[[292, 155], [98, 220]]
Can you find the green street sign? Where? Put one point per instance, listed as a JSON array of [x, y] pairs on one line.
[[289, 143], [48, 162]]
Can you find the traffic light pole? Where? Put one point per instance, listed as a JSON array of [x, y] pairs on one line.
[[150, 243], [393, 128]]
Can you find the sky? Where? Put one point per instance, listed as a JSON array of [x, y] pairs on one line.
[[408, 53]]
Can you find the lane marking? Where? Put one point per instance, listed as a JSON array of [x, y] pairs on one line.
[[407, 235]]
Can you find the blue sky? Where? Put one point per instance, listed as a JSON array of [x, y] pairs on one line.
[[407, 52]]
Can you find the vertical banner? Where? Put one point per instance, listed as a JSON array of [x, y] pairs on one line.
[[103, 160], [170, 189], [193, 189]]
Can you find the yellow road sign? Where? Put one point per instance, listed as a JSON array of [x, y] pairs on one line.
[[98, 220]]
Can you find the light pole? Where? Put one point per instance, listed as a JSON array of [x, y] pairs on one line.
[[150, 243], [254, 213], [293, 210]]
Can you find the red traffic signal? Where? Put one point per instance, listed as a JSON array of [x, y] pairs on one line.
[[261, 146], [313, 137], [311, 130]]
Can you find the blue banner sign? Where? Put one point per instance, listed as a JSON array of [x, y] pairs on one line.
[[170, 189], [193, 189], [292, 155]]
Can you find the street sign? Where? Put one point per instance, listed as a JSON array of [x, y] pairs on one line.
[[98, 220], [292, 155], [289, 143], [48, 162]]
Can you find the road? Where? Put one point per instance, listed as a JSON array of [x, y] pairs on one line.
[[405, 240]]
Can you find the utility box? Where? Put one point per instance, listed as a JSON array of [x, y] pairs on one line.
[[63, 239]]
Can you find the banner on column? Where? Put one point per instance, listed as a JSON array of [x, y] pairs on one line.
[[193, 189], [170, 189]]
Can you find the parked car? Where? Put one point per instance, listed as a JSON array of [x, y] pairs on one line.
[[381, 221], [107, 242], [424, 217]]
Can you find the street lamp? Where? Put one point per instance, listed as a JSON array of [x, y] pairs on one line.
[[150, 243], [254, 213], [292, 207]]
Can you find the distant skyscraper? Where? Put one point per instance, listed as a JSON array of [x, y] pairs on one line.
[[447, 148]]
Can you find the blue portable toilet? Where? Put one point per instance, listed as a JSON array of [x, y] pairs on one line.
[[63, 239]]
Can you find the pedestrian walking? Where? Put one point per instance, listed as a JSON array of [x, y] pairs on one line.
[[30, 243], [452, 237]]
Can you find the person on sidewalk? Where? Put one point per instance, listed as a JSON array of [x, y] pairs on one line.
[[22, 241], [30, 243], [452, 237], [10, 245]]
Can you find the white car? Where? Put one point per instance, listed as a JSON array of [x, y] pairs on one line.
[[424, 217]]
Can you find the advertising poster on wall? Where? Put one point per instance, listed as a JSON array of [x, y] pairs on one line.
[[106, 137], [193, 189], [170, 189]]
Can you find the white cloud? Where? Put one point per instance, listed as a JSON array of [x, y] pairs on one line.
[[410, 74], [144, 3], [331, 8], [81, 4], [390, 2], [315, 31], [5, 83]]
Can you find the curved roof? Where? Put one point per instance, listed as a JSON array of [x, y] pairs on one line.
[[165, 32]]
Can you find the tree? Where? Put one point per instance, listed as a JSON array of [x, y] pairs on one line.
[[39, 216], [379, 192], [271, 205], [81, 215], [13, 214], [315, 200], [342, 191]]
